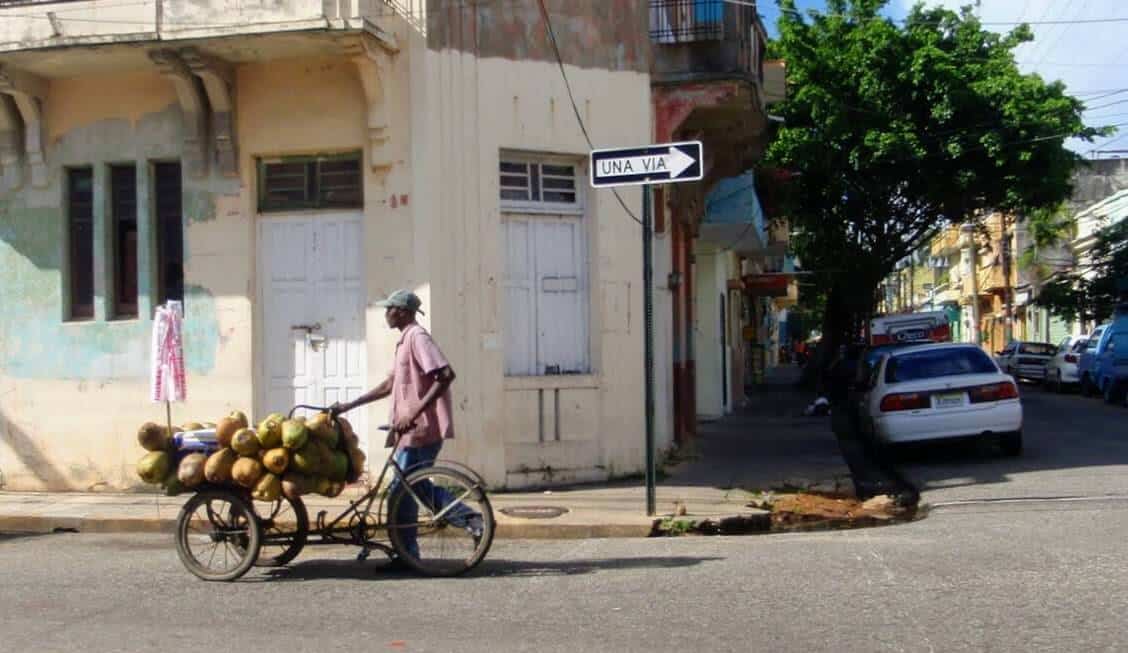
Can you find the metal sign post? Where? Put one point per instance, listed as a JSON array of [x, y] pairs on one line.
[[647, 166], [648, 347]]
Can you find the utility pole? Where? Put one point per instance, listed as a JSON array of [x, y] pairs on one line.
[[912, 281], [1008, 288], [969, 270]]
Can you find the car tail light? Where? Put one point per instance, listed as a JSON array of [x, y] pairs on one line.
[[1071, 358], [993, 392], [905, 401]]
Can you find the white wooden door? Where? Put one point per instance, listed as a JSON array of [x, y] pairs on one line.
[[312, 293], [546, 325]]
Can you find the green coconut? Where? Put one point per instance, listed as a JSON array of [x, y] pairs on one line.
[[295, 435], [269, 488], [306, 460], [247, 472], [154, 437], [338, 466], [270, 433], [219, 464], [245, 442], [154, 466], [276, 460], [191, 469]]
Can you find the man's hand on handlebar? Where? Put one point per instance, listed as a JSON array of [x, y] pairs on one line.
[[404, 424]]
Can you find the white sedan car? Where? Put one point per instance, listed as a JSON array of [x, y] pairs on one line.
[[1062, 368], [949, 390]]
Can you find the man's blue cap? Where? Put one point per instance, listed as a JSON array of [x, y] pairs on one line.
[[403, 299]]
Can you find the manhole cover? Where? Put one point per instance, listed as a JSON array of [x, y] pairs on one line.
[[534, 512]]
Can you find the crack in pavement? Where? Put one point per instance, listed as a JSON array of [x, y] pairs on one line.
[[1018, 500]]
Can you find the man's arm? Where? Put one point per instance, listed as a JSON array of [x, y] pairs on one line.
[[375, 394], [443, 378]]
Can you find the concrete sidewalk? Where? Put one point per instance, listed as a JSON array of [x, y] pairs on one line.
[[766, 445]]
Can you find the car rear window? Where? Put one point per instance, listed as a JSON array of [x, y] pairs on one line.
[[1038, 349], [934, 363], [1079, 346]]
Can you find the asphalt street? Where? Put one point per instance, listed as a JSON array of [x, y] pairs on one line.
[[1016, 555], [1072, 447]]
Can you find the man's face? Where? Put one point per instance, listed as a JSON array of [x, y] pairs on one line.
[[396, 316]]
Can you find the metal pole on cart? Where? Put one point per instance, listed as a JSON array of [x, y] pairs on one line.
[[647, 166]]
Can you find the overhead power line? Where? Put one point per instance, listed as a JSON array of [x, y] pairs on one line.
[[572, 98]]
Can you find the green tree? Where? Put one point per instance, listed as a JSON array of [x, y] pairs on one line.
[[1048, 229], [1091, 291], [896, 130]]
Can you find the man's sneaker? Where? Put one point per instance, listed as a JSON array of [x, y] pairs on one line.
[[475, 527]]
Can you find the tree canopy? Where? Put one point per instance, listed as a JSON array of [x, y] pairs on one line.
[[897, 129], [1090, 291]]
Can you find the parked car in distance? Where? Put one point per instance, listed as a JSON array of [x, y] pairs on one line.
[[943, 391], [1110, 371], [1061, 371], [1086, 365], [1026, 360]]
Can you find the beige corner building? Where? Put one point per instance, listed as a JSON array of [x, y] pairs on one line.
[[281, 166]]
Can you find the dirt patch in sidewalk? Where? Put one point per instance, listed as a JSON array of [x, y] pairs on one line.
[[791, 512], [809, 511]]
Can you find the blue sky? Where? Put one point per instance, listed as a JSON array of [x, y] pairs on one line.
[[1086, 56]]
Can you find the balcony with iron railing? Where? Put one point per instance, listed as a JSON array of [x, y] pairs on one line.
[[39, 24], [704, 39]]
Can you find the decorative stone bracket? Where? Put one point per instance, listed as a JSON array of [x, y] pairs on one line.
[[192, 104], [27, 92], [10, 143], [374, 68], [219, 82]]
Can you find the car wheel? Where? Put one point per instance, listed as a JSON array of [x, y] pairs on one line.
[[1011, 443], [1113, 392], [1059, 387]]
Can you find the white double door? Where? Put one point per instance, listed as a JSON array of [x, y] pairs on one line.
[[312, 298]]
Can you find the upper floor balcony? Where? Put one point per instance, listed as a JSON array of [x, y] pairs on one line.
[[697, 40], [39, 24], [946, 243]]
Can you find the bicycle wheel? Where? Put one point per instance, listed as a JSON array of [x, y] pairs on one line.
[[217, 535], [444, 526], [285, 529]]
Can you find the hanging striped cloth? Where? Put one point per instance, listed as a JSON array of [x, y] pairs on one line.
[[167, 379]]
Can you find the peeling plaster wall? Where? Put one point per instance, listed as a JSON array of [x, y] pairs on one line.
[[431, 223], [73, 393], [606, 35], [483, 106]]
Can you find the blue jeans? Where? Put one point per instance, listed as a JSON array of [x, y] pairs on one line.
[[410, 459]]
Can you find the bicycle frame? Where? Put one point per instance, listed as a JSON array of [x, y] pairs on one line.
[[329, 533]]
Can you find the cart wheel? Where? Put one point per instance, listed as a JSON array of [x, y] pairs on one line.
[[285, 528], [217, 535], [455, 542]]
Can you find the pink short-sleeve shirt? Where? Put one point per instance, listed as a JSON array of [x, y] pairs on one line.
[[417, 359]]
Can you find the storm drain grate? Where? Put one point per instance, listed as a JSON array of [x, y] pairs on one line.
[[534, 512]]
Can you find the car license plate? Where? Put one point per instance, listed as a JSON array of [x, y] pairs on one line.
[[948, 400]]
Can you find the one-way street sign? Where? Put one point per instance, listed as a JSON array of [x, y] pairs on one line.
[[654, 164]]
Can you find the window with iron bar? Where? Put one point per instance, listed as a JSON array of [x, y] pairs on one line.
[[317, 182]]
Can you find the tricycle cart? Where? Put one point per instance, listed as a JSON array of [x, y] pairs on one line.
[[437, 519]]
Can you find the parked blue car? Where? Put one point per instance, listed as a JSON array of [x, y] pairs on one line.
[[1104, 363]]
